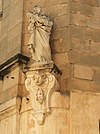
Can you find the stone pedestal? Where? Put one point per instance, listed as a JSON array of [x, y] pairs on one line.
[[41, 83]]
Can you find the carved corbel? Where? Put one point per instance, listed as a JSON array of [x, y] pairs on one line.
[[41, 84]]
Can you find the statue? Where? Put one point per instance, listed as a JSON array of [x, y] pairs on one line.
[[40, 79], [40, 28]]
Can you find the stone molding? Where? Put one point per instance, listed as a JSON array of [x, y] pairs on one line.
[[6, 67]]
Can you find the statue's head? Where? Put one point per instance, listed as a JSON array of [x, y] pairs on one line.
[[37, 10]]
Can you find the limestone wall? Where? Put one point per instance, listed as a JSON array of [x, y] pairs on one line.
[[85, 60], [85, 113], [10, 29], [85, 44], [75, 45]]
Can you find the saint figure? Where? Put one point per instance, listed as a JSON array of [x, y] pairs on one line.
[[40, 29]]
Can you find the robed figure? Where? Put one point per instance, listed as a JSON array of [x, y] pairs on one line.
[[40, 29]]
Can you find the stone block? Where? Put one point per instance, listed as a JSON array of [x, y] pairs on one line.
[[15, 31], [79, 8], [84, 58], [8, 104], [65, 87], [56, 34], [25, 39], [11, 79], [85, 105], [59, 46], [63, 100], [60, 33], [56, 10], [8, 94], [16, 17], [91, 2], [3, 43], [58, 121], [76, 0], [3, 55], [61, 21], [92, 34], [25, 51], [77, 32], [25, 28], [4, 32], [65, 70], [78, 19], [83, 72], [60, 58], [80, 44], [96, 76], [94, 23], [14, 45], [82, 85], [96, 12], [27, 7], [95, 48]]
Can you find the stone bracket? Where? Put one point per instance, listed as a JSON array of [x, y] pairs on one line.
[[41, 84]]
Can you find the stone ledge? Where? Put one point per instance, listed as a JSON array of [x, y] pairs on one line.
[[5, 68]]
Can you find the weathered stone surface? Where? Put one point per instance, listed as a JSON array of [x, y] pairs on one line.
[[84, 58], [81, 45], [75, 45], [93, 23], [61, 21], [63, 100], [95, 47], [11, 79], [91, 2], [83, 72], [79, 8], [60, 58], [59, 119], [78, 19], [97, 76], [82, 85], [92, 34], [83, 107], [96, 12], [57, 10], [77, 32]]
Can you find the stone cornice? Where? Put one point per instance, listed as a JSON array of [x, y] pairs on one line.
[[5, 67]]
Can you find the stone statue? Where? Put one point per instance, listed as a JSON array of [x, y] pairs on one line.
[[40, 28], [40, 81]]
